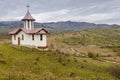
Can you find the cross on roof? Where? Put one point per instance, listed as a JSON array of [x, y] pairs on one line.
[[28, 7]]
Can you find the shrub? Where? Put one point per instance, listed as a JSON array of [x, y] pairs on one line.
[[118, 54], [52, 46], [66, 54], [72, 74], [37, 59], [35, 62], [115, 71], [97, 55], [75, 60], [68, 60], [82, 66], [90, 54], [59, 59], [2, 61], [109, 55], [84, 60], [57, 50], [48, 54], [63, 63]]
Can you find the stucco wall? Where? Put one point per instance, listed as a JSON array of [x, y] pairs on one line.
[[28, 40]]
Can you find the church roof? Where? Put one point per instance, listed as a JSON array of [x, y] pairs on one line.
[[29, 31], [28, 16]]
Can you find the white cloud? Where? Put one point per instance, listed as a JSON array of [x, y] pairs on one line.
[[99, 16], [99, 11], [67, 14], [51, 16]]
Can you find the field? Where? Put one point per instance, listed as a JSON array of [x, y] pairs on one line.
[[89, 54], [21, 63]]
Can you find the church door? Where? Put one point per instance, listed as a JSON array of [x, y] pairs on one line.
[[18, 40]]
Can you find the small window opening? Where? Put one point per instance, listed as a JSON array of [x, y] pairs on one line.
[[41, 37], [33, 37]]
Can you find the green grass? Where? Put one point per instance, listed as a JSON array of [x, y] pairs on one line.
[[22, 63]]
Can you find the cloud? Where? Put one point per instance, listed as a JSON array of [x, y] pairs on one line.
[[68, 14], [51, 16], [99, 11]]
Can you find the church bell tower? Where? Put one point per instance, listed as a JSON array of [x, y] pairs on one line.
[[28, 20]]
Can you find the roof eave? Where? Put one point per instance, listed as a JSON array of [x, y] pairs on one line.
[[28, 19]]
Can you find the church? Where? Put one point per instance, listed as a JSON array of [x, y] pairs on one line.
[[29, 35]]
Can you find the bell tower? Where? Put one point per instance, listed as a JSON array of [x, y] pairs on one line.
[[28, 20]]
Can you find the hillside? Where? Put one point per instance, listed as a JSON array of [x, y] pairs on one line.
[[89, 54], [102, 41], [21, 63]]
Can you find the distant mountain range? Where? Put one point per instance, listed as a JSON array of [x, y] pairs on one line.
[[56, 26]]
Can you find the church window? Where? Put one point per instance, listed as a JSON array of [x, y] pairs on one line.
[[22, 37], [41, 37], [28, 24], [33, 37], [14, 37]]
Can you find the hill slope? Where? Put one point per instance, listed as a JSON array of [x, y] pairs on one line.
[[21, 63], [98, 40]]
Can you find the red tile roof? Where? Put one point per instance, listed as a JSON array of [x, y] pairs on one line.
[[15, 31], [29, 31], [28, 17]]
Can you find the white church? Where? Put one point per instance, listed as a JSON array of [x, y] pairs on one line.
[[28, 35]]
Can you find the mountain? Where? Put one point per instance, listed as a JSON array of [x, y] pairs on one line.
[[55, 26], [70, 25]]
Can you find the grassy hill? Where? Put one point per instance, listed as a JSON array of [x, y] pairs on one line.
[[107, 39], [67, 59], [21, 63]]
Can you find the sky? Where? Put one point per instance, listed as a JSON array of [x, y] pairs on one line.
[[97, 11]]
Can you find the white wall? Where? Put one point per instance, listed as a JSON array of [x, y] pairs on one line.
[[28, 40]]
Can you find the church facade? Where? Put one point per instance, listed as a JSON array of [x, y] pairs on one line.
[[28, 35]]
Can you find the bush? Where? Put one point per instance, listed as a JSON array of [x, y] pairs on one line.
[[63, 63], [118, 54], [60, 59], [82, 66], [2, 61], [90, 54], [37, 59], [115, 71], [75, 60], [72, 74], [84, 60]]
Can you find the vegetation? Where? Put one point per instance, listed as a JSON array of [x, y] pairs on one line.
[[22, 63], [115, 71], [74, 55], [91, 55], [95, 40], [97, 36]]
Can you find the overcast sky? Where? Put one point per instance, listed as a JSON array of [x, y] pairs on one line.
[[98, 11]]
